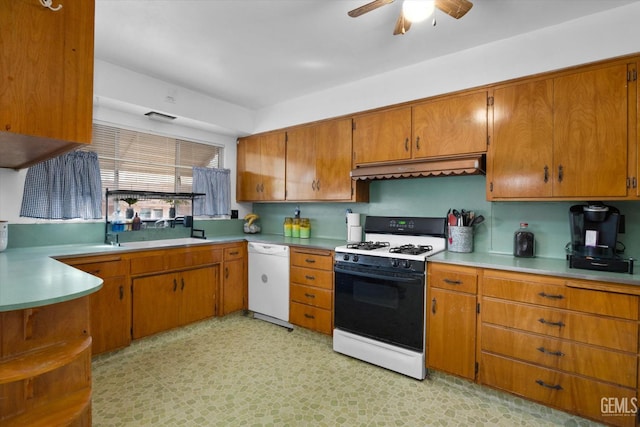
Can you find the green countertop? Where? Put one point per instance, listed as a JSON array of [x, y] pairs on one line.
[[31, 277], [536, 265]]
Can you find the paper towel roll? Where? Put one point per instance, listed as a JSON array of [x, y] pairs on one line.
[[353, 219], [354, 234]]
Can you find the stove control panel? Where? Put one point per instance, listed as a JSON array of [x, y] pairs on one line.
[[379, 262]]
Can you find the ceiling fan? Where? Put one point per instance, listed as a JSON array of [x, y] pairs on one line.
[[454, 8]]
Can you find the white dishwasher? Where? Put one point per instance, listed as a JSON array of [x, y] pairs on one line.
[[269, 282]]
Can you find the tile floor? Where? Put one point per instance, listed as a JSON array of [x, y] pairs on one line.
[[237, 371]]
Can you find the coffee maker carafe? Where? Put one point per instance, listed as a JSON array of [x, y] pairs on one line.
[[594, 229]]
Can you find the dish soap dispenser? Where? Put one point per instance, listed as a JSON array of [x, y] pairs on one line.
[[523, 242]]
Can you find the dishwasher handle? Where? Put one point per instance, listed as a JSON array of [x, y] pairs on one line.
[[268, 249]]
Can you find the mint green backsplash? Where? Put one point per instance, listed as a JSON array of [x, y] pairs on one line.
[[549, 221], [25, 235]]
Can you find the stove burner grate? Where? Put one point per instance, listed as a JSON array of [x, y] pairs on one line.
[[411, 249], [368, 246]]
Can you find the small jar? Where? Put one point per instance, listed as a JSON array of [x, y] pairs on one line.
[[523, 242], [288, 224], [305, 228], [295, 227]]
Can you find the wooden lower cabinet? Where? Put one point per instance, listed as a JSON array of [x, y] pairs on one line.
[[311, 289], [166, 301], [111, 305], [572, 348], [451, 319], [233, 284], [45, 365]]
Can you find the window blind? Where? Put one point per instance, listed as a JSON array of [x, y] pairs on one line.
[[132, 160]]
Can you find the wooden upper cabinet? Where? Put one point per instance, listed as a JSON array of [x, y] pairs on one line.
[[563, 137], [46, 105], [261, 167], [450, 126], [319, 161], [382, 137], [590, 133], [521, 151]]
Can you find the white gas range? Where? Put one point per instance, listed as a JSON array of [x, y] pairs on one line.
[[380, 291]]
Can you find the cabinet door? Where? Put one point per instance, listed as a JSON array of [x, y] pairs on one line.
[[590, 133], [47, 89], [248, 168], [450, 126], [197, 294], [272, 166], [333, 150], [521, 152], [382, 137], [156, 304], [301, 163], [233, 287], [111, 315], [451, 325]]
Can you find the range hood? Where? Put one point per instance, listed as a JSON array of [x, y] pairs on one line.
[[444, 166]]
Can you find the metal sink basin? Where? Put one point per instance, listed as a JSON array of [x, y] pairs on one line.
[[152, 244]]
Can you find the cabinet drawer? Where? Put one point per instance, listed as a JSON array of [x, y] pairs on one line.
[[173, 259], [604, 331], [311, 277], [606, 365], [461, 279], [309, 317], [312, 296], [551, 292], [103, 269], [564, 391], [321, 260], [234, 252]]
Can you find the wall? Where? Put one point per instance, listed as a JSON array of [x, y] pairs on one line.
[[549, 221], [121, 96]]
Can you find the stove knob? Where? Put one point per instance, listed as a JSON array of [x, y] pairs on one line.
[[406, 263], [345, 257], [355, 258], [394, 262]]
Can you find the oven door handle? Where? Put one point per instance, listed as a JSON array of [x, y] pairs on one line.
[[379, 276]]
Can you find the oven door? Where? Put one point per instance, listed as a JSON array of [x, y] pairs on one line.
[[381, 305]]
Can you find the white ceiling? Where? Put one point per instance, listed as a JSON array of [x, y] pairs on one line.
[[257, 53]]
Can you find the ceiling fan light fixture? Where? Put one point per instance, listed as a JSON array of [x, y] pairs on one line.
[[417, 10]]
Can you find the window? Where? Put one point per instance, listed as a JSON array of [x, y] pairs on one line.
[[132, 160]]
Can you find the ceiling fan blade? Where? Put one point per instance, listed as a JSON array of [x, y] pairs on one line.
[[368, 7], [454, 8], [402, 25]]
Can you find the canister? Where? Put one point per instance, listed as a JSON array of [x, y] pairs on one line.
[[305, 228], [288, 223], [523, 242], [295, 227]]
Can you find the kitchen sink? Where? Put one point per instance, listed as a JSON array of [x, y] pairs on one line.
[[152, 244]]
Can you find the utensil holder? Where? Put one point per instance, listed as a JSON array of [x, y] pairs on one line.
[[460, 239]]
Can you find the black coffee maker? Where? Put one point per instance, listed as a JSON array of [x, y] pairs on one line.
[[594, 238]]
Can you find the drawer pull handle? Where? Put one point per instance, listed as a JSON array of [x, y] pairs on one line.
[[309, 295], [182, 280], [552, 353], [175, 285], [310, 260], [226, 272], [94, 272], [121, 292], [546, 322], [234, 253], [309, 316], [433, 306], [554, 387], [552, 296], [452, 282], [309, 277]]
